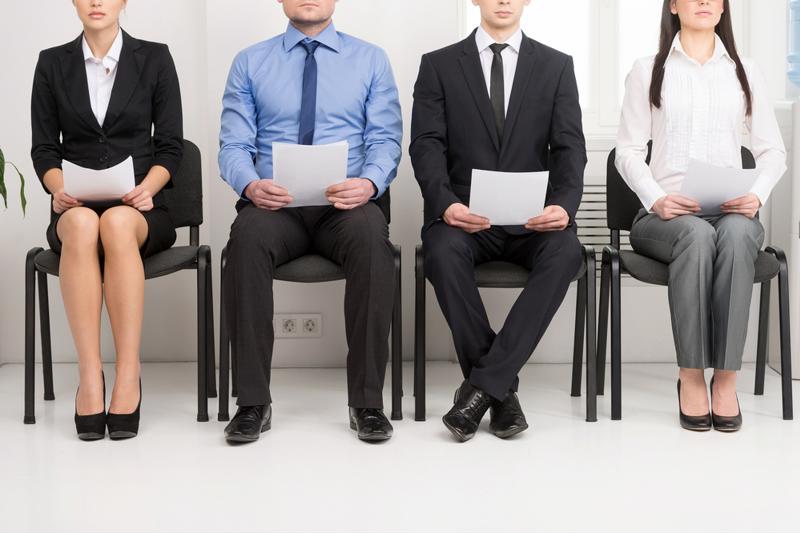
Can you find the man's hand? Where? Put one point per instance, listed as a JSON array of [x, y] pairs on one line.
[[554, 218], [674, 205], [351, 193], [140, 198], [747, 205], [63, 201], [458, 216], [265, 194]]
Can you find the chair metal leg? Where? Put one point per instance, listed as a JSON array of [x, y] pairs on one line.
[[44, 331], [591, 342], [577, 347], [602, 328], [785, 336], [397, 340], [202, 368], [616, 347], [224, 346], [419, 336], [211, 359], [763, 333], [30, 335]]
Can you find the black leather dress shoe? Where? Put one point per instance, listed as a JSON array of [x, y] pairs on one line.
[[726, 424], [693, 423], [371, 424], [464, 418], [249, 423], [507, 418]]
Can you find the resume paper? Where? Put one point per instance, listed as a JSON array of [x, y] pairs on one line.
[[306, 171], [712, 186], [508, 198], [87, 185]]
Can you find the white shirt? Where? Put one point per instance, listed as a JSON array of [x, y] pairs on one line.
[[100, 75], [510, 55], [702, 114]]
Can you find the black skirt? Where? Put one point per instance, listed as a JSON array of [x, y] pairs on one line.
[[160, 231]]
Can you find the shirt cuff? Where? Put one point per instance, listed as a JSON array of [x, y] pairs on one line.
[[242, 180], [649, 192], [762, 188], [374, 174]]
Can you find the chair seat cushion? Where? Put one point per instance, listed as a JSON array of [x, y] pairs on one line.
[[657, 273], [163, 263], [504, 275], [309, 269]]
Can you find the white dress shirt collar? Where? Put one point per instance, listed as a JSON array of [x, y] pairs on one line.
[[484, 40], [112, 57], [719, 50]]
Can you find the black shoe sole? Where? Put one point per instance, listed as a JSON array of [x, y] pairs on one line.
[[370, 438], [88, 437], [246, 438], [695, 428], [459, 435], [510, 433], [122, 435]]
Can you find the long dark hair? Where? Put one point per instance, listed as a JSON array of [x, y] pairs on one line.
[[670, 26]]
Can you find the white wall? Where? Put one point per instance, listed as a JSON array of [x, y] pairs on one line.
[[203, 37]]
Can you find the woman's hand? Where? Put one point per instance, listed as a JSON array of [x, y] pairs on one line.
[[674, 205], [747, 205], [140, 198], [63, 201]]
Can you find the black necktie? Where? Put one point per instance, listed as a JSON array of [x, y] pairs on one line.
[[497, 90], [308, 105]]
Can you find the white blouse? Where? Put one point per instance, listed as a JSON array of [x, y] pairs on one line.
[[100, 75], [702, 113]]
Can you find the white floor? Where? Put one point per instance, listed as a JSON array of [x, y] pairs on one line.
[[309, 473]]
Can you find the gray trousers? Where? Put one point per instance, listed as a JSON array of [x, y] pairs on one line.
[[711, 269]]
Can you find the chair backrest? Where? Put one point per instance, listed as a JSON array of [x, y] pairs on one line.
[[622, 204], [185, 198]]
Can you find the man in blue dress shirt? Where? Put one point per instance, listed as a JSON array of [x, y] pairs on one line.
[[310, 85]]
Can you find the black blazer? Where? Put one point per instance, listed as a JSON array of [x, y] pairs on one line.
[[145, 95], [453, 129]]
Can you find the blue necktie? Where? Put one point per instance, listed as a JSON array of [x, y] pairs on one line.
[[308, 107]]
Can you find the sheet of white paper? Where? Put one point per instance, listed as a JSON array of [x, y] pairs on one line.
[[89, 185], [508, 198], [306, 171], [712, 186]]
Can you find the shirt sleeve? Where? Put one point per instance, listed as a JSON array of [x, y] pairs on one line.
[[237, 138], [635, 131], [384, 127], [765, 137]]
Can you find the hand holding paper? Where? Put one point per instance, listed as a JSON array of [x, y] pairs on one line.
[[87, 185], [713, 186], [307, 171], [508, 198]]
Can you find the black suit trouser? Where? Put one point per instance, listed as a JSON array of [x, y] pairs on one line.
[[492, 361], [358, 240]]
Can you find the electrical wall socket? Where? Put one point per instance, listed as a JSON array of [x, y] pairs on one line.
[[297, 326]]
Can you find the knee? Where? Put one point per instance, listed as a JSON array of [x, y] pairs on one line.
[[445, 249], [737, 232], [563, 246], [79, 227], [699, 237], [118, 227]]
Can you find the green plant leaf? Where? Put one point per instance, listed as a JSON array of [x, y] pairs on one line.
[[3, 191], [22, 200]]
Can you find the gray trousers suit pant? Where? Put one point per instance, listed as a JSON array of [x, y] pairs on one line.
[[711, 270]]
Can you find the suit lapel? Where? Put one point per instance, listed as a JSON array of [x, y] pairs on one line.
[[129, 70], [73, 70], [473, 73], [525, 64]]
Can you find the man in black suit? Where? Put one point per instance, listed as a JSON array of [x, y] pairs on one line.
[[496, 101]]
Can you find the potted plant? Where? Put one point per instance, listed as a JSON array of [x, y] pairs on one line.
[[3, 191]]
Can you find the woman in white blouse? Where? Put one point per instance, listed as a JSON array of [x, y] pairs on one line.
[[693, 100], [97, 101]]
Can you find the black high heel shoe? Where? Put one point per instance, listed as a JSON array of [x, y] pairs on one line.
[[726, 424], [125, 426], [693, 423], [91, 427]]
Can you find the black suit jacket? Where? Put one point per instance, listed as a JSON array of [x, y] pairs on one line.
[[144, 118], [453, 129]]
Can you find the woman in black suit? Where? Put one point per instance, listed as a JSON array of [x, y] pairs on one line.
[[96, 101]]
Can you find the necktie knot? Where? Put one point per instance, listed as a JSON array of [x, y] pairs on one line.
[[497, 48], [310, 46]]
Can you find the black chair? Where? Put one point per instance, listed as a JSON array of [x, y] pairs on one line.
[[314, 268], [623, 205], [501, 274], [185, 203]]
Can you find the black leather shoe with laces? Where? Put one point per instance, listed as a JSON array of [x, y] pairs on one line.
[[507, 418], [464, 418], [249, 423], [371, 424]]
